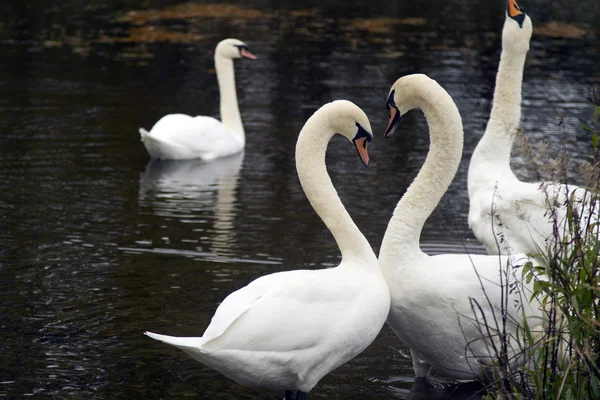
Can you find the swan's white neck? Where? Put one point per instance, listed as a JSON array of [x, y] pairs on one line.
[[317, 185], [492, 154], [401, 239], [230, 111]]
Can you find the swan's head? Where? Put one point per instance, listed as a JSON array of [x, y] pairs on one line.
[[347, 119], [517, 28], [403, 97], [234, 48]]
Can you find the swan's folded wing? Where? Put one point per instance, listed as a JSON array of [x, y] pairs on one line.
[[207, 134], [529, 206], [188, 131], [236, 304], [479, 287], [541, 196], [284, 312]]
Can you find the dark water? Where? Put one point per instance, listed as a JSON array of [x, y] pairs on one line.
[[98, 245]]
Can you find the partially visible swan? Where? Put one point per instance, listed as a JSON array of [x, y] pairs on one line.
[[506, 214], [285, 331], [433, 306], [180, 136]]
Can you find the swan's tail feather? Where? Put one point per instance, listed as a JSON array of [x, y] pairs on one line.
[[161, 148], [181, 342], [143, 133]]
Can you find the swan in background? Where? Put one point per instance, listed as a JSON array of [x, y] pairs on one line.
[[433, 297], [286, 330], [506, 214], [180, 136]]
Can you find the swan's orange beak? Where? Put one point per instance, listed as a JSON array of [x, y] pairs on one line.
[[513, 9], [393, 122], [361, 147], [247, 55]]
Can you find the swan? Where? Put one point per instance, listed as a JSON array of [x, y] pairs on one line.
[[505, 214], [286, 330], [434, 297], [180, 136]]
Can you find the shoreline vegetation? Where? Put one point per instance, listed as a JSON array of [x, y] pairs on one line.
[[564, 359]]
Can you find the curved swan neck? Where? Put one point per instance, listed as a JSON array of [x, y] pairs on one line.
[[317, 185], [496, 144], [230, 111], [423, 195]]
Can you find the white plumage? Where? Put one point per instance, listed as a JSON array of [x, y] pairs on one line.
[[180, 136], [506, 214], [287, 330], [444, 306]]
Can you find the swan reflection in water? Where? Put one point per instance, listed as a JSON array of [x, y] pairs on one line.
[[427, 389], [186, 189], [431, 388]]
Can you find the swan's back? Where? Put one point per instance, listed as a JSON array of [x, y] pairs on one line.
[[180, 136], [291, 328], [519, 217], [448, 296]]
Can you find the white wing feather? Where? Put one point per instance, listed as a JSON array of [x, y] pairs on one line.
[[180, 136]]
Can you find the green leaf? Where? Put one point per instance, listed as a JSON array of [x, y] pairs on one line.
[[596, 113], [537, 286], [575, 303], [582, 274], [528, 278], [586, 297], [594, 386], [587, 128], [595, 140], [526, 269]]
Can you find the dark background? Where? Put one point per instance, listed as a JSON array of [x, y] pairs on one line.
[[98, 245]]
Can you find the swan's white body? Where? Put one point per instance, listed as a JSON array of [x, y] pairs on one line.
[[287, 330], [433, 306], [506, 214], [180, 136]]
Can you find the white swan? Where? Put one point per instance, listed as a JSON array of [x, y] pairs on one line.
[[433, 296], [287, 330], [180, 136], [506, 214]]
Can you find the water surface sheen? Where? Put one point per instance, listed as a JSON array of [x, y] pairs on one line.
[[99, 244]]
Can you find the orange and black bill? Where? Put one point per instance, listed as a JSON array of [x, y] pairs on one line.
[[394, 115], [360, 142], [245, 53], [515, 12]]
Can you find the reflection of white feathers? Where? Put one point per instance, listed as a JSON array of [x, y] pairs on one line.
[[181, 188], [439, 308], [505, 214], [287, 330], [189, 178]]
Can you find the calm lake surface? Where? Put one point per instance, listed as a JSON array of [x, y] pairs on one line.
[[98, 244]]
